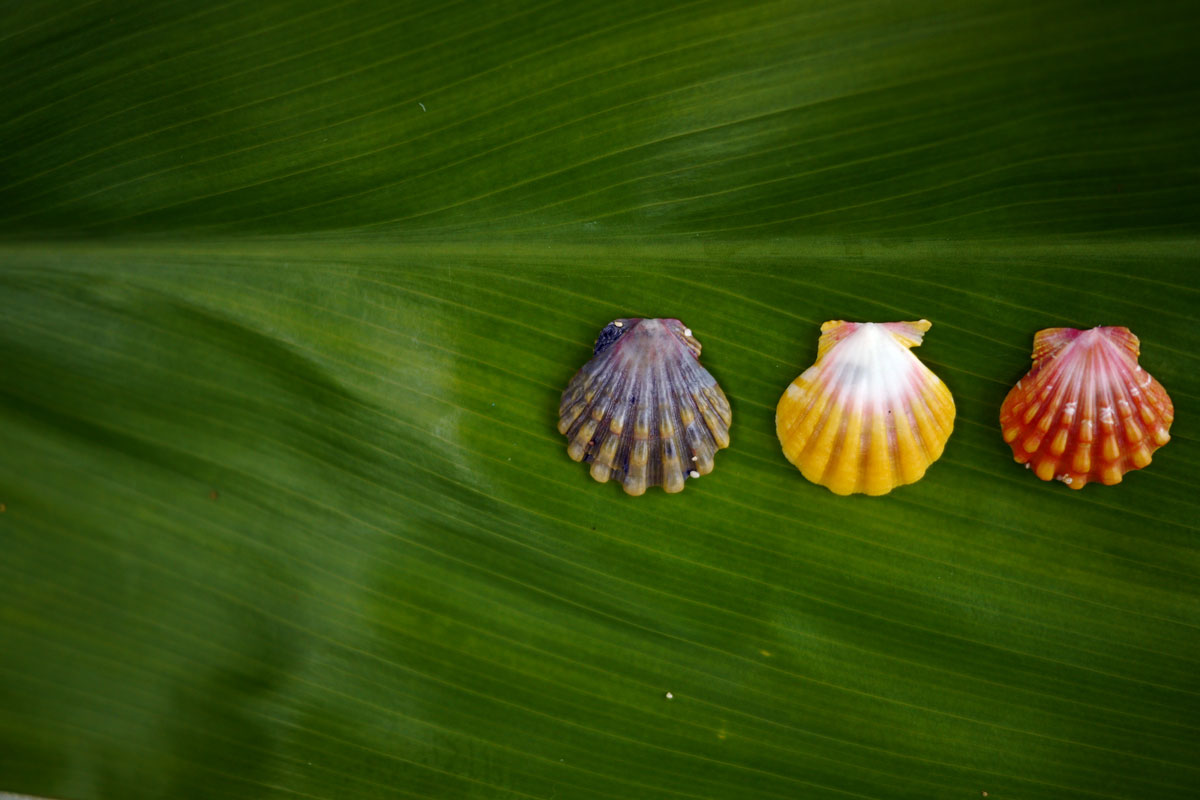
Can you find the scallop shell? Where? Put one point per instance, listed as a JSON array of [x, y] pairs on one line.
[[868, 416], [643, 411], [1086, 411]]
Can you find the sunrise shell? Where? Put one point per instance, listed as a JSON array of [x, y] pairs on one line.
[[868, 416], [643, 411], [1086, 411]]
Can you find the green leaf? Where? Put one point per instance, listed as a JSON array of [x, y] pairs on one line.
[[288, 296]]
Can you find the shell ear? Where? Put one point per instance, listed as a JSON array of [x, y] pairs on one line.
[[1126, 339], [833, 332], [909, 334], [610, 333], [1048, 341]]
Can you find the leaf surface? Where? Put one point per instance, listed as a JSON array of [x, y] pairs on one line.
[[288, 296]]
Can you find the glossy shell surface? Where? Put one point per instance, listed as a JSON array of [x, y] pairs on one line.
[[868, 416], [643, 411], [1086, 411]]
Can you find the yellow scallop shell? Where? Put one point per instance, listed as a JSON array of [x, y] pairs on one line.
[[868, 416]]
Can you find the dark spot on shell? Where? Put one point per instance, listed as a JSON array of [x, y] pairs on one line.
[[632, 399], [607, 336]]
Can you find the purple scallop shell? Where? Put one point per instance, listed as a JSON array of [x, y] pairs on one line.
[[643, 411]]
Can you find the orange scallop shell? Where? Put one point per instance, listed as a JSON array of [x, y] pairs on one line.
[[1086, 411]]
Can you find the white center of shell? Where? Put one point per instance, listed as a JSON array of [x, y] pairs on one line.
[[871, 365]]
